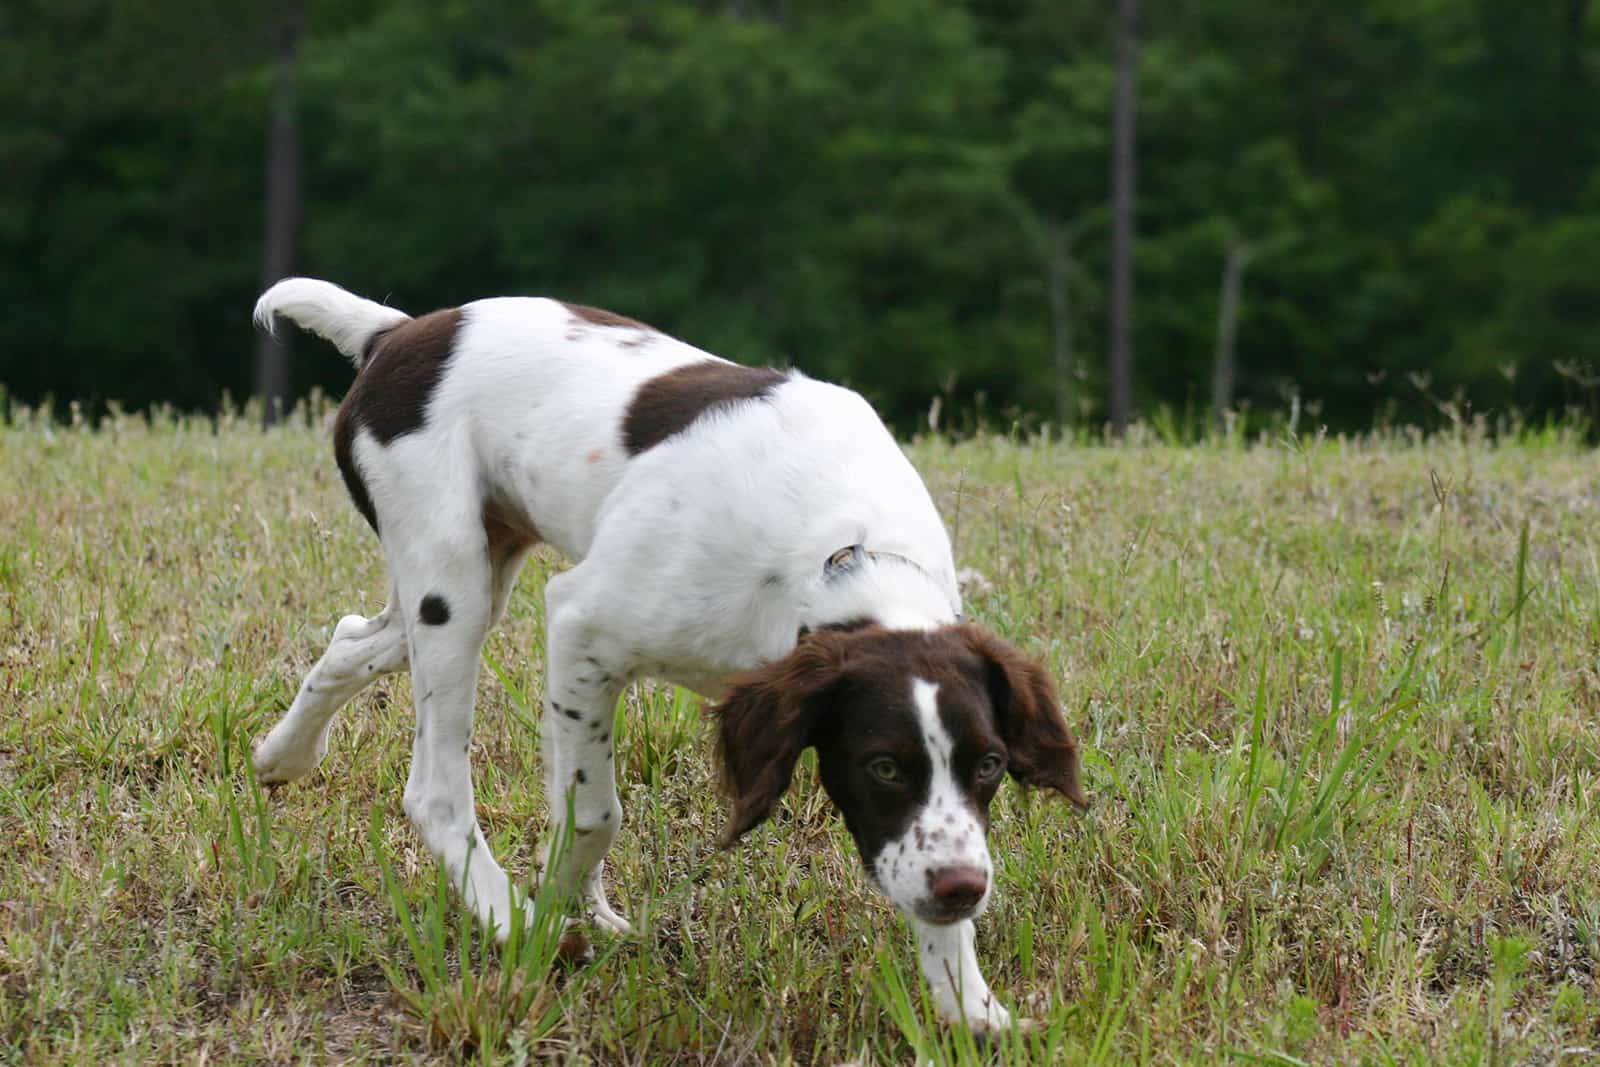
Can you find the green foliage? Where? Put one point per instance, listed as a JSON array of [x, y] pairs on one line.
[[869, 190], [476, 1003]]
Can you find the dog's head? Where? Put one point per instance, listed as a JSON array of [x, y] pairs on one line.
[[914, 731]]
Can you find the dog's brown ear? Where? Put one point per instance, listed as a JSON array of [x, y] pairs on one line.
[[766, 721], [1041, 749]]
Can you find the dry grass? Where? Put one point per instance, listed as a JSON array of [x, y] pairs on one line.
[[1344, 740]]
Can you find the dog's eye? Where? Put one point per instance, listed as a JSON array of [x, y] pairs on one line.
[[991, 766], [885, 770]]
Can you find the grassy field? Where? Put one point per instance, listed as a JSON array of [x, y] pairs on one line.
[[1339, 701]]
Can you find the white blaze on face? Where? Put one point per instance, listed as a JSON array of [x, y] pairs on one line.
[[944, 832]]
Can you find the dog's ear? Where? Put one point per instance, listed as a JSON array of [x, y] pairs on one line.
[[1041, 749], [766, 721]]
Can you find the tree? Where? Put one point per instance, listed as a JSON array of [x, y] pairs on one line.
[[1119, 363], [1222, 369], [283, 206]]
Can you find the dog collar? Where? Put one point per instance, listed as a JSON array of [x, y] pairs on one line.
[[848, 560]]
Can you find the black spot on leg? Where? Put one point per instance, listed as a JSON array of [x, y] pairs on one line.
[[608, 753], [596, 724], [580, 777], [606, 736], [605, 817], [571, 713], [434, 611]]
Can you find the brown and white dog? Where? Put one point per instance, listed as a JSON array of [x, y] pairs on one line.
[[748, 533]]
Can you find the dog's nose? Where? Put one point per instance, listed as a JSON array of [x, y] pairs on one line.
[[957, 888]]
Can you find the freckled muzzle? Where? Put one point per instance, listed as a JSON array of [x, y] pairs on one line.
[[939, 876]]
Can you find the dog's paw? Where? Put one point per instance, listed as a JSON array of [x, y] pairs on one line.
[[601, 913], [277, 762], [986, 1018], [1016, 1024]]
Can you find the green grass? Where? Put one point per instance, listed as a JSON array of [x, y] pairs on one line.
[[1340, 701]]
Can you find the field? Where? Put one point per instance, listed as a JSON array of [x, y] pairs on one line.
[[1339, 700]]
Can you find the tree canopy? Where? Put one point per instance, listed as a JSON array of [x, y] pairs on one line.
[[909, 196]]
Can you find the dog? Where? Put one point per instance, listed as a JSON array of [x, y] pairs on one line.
[[748, 533]]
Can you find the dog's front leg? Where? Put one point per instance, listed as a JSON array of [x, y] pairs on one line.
[[950, 964], [581, 691], [362, 651]]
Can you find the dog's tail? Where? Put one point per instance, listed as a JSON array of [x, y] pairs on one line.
[[329, 312]]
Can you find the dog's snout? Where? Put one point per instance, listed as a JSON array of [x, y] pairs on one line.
[[957, 888]]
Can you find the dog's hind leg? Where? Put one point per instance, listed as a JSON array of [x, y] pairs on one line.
[[362, 651], [447, 593]]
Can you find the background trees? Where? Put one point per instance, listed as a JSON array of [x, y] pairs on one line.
[[908, 195]]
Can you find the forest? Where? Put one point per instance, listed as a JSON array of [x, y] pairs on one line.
[[1372, 212]]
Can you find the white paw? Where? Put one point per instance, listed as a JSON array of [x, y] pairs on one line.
[[987, 1018], [607, 919], [493, 909], [278, 760]]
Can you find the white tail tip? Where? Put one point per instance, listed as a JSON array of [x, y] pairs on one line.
[[339, 316]]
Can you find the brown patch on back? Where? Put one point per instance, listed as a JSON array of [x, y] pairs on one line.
[[402, 369], [602, 317], [389, 398], [669, 403]]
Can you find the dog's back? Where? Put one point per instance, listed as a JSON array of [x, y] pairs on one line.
[[541, 388], [753, 475]]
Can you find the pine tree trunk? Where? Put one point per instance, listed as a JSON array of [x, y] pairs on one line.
[[1060, 267], [283, 205], [1120, 329], [1222, 367]]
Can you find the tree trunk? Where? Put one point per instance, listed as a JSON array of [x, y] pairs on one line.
[[1120, 331], [1228, 326], [283, 199], [1060, 268]]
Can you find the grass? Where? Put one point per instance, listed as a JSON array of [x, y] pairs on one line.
[[1339, 699]]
